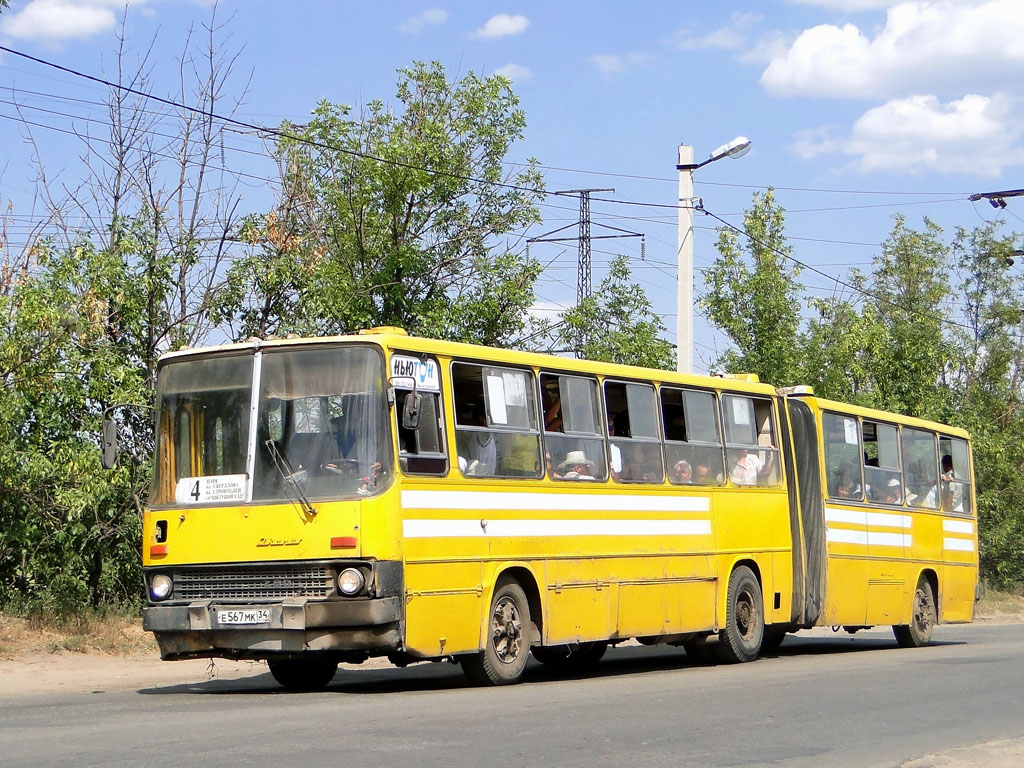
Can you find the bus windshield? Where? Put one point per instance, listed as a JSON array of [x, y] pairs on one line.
[[202, 430], [322, 424], [321, 429]]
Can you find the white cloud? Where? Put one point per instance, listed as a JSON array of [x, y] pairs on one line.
[[925, 45], [429, 18], [976, 135], [517, 73], [610, 63], [56, 20], [502, 25], [729, 38]]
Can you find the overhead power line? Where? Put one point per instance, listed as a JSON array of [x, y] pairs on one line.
[[281, 134], [275, 132]]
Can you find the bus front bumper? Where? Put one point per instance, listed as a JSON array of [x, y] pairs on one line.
[[207, 628]]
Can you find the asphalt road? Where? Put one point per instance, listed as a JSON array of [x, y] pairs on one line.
[[830, 700]]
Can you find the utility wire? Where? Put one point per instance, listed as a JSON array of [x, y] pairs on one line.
[[276, 132], [280, 134]]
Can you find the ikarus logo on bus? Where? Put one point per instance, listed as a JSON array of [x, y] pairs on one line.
[[407, 372]]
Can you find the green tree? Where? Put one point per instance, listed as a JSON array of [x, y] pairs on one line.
[[906, 303], [753, 295], [68, 531], [987, 364], [396, 218], [616, 324], [84, 315]]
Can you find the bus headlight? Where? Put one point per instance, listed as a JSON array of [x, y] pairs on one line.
[[350, 581], [160, 586]]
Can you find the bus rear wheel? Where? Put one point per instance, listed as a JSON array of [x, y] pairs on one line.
[[507, 646], [744, 619], [303, 674], [571, 656], [919, 631]]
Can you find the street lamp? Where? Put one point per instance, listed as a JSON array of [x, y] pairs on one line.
[[736, 148]]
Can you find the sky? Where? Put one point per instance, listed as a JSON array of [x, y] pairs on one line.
[[856, 109]]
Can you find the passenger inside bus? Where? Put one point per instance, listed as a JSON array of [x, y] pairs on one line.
[[577, 466], [616, 453], [891, 494], [682, 473], [751, 469], [482, 451], [952, 491]]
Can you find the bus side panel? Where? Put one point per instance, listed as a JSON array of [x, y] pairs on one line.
[[444, 603], [754, 525], [678, 597], [891, 576], [580, 599], [956, 593], [846, 573], [960, 570]]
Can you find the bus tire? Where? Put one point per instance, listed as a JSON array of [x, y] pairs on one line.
[[743, 632], [923, 618], [507, 647], [571, 656], [303, 674]]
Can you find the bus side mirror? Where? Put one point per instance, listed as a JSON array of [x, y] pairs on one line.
[[411, 411], [109, 443]]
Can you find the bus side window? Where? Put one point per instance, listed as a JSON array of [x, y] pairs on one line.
[[497, 432], [920, 467], [955, 477], [883, 478], [842, 457], [635, 442], [421, 451], [573, 440], [751, 452], [693, 443]]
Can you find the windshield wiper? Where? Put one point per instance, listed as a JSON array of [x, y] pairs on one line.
[[289, 475]]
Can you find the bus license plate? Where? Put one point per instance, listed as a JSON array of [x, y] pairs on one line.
[[247, 616]]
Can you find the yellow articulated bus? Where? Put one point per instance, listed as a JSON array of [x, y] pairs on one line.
[[318, 501]]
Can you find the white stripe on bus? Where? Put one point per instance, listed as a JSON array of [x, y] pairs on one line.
[[859, 517], [960, 545], [562, 502], [868, 538], [419, 529], [957, 526]]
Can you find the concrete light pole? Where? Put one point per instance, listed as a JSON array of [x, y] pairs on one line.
[[684, 317]]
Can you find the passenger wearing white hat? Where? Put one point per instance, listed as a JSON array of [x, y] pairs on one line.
[[892, 492], [579, 466]]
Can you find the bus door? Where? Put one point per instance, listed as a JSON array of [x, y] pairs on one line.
[[811, 518]]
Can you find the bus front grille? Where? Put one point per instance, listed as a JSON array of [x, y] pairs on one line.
[[252, 582]]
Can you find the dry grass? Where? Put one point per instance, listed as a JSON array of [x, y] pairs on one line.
[[995, 603], [112, 635]]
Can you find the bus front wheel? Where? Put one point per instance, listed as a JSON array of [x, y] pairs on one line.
[[507, 646], [919, 631], [744, 619], [303, 674]]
